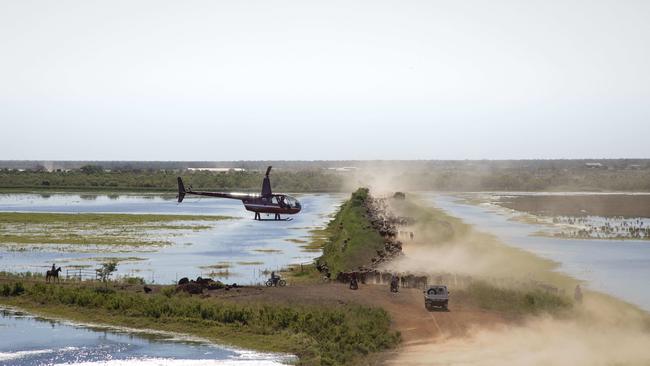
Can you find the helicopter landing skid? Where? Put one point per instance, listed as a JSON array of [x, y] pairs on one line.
[[284, 219], [277, 217]]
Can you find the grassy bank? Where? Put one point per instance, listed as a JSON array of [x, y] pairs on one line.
[[318, 335], [514, 301], [349, 240], [95, 229]]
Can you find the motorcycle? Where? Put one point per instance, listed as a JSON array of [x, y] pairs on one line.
[[394, 287], [354, 285], [277, 282]]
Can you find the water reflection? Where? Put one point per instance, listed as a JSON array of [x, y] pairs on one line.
[[29, 341], [233, 241]]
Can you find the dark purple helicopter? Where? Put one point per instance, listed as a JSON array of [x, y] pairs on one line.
[[266, 202]]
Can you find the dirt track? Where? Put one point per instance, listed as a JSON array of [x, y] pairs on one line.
[[406, 308]]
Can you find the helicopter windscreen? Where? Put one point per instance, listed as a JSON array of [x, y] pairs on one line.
[[291, 202]]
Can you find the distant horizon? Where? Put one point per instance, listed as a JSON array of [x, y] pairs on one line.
[[322, 160], [312, 160]]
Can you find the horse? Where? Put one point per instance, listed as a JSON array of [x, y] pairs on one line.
[[54, 274]]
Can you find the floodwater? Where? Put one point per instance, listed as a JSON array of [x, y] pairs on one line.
[[617, 267], [250, 247], [29, 341]]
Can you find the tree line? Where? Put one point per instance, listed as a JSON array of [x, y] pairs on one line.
[[457, 177]]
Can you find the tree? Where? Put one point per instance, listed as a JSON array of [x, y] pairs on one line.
[[106, 270], [91, 169]]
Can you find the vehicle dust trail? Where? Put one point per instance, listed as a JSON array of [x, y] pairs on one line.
[[539, 341], [536, 343], [600, 331]]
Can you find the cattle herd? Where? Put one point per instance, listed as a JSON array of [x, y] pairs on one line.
[[386, 224], [197, 286], [376, 277]]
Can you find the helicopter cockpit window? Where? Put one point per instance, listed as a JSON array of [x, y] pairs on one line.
[[274, 200], [290, 201]]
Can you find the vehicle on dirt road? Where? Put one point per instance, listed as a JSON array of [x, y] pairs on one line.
[[277, 282], [436, 297]]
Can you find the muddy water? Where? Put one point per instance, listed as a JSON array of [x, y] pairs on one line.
[[29, 341], [617, 267], [249, 247]]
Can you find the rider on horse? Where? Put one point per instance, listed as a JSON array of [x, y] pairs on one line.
[[53, 273]]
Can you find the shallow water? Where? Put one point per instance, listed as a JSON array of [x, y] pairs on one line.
[[232, 241], [29, 341], [617, 267]]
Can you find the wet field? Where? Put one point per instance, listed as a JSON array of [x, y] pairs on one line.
[[239, 250], [583, 204], [617, 267]]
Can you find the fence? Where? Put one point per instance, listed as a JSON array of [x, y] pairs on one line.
[[81, 274]]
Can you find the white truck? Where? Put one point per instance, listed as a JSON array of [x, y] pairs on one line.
[[436, 296]]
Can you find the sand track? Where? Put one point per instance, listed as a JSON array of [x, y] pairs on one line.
[[406, 308]]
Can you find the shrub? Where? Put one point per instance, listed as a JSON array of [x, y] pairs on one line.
[[6, 290], [18, 289], [134, 280]]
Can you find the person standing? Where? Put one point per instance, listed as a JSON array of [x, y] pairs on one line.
[[577, 294]]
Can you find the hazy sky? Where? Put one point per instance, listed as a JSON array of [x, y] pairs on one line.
[[246, 80]]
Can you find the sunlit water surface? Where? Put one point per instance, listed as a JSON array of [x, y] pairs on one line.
[[29, 341], [250, 247]]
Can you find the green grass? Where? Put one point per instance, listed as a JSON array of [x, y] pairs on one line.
[[267, 250], [319, 335], [75, 239], [302, 274], [351, 223], [98, 218], [95, 228], [220, 265], [513, 301]]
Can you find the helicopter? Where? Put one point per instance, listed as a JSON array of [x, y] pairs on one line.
[[267, 202]]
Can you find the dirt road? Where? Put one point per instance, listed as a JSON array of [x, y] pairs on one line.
[[406, 308]]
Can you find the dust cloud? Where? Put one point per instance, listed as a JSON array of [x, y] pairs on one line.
[[600, 331], [539, 341]]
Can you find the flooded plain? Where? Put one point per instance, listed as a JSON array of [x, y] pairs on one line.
[[617, 267], [237, 250], [26, 340]]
